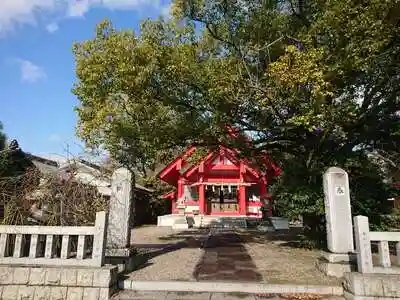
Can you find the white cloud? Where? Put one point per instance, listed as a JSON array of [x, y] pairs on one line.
[[30, 72], [18, 12], [14, 13], [78, 8], [52, 27]]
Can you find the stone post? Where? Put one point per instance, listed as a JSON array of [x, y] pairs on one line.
[[120, 210], [363, 244], [120, 220], [339, 227]]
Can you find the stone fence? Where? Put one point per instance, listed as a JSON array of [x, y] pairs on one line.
[[373, 282], [82, 246], [363, 239], [56, 262]]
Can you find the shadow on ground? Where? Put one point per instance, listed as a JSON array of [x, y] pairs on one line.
[[226, 259]]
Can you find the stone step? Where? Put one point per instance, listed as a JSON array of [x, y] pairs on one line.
[[147, 295], [228, 287]]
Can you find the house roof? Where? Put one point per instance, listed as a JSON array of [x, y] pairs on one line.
[[44, 165], [48, 166]]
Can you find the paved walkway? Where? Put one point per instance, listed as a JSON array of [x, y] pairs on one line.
[[225, 258]]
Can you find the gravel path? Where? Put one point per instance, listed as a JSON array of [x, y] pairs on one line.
[[244, 256], [279, 262], [172, 255]]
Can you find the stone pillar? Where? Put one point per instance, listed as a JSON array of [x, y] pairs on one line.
[[120, 222], [339, 227], [363, 244]]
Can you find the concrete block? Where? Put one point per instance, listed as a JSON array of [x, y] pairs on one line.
[[21, 275], [85, 277], [279, 223], [68, 277], [53, 276], [372, 285], [58, 293], [334, 269], [105, 294], [178, 226], [10, 292], [91, 293], [354, 283], [222, 296], [102, 277], [37, 276], [75, 293], [26, 292], [42, 293], [339, 257], [6, 275], [391, 285], [349, 296]]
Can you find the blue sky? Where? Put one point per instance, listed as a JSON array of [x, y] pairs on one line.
[[37, 67]]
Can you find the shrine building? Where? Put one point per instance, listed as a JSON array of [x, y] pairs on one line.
[[218, 183]]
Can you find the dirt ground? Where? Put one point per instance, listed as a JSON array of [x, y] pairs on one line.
[[244, 255]]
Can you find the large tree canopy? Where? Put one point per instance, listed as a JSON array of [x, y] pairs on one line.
[[313, 83]]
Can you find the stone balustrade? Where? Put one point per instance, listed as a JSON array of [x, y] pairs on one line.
[[88, 249], [364, 237]]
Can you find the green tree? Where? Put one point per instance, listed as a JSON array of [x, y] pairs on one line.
[[314, 83]]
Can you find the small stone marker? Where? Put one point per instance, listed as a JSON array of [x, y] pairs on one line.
[[338, 211], [363, 244], [120, 210]]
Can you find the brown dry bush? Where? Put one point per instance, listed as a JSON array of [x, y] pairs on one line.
[[39, 199]]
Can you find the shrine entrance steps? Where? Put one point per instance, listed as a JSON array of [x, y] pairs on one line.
[[200, 221]]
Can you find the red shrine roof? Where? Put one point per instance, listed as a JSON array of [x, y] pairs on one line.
[[183, 167]]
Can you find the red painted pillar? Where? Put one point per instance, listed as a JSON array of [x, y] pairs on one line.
[[242, 200], [173, 205], [180, 188], [202, 199], [242, 192]]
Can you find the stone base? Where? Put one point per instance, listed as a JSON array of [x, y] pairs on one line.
[[61, 282], [125, 259], [180, 226], [336, 264], [371, 286], [279, 223], [340, 257], [334, 269], [350, 296]]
